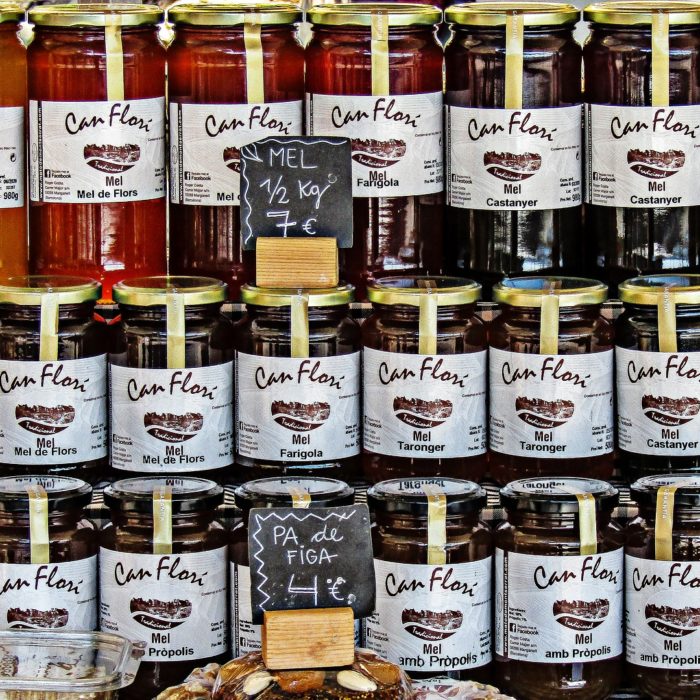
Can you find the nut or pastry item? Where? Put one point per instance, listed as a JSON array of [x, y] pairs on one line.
[[369, 677], [451, 689], [197, 686]]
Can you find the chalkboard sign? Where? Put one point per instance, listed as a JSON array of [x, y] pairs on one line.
[[315, 558], [296, 186]]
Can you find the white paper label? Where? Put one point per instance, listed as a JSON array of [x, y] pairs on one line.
[[206, 141], [97, 152], [49, 596], [424, 405], [172, 420], [11, 157], [396, 140], [565, 609], [245, 636], [551, 406], [658, 402], [514, 158], [53, 412], [301, 410], [176, 603], [662, 613], [643, 156], [432, 618]]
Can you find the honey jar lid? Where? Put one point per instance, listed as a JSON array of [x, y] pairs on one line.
[[413, 496], [687, 492], [9, 12], [495, 14], [268, 296], [648, 290], [95, 15], [642, 12], [221, 14], [188, 495], [530, 291], [301, 491], [154, 291], [409, 290], [557, 494], [62, 493], [360, 14], [30, 290]]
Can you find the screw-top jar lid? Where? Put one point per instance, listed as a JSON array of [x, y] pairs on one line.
[[495, 14], [190, 495], [154, 291], [9, 12], [62, 493], [557, 494], [644, 491], [449, 291], [221, 14], [95, 15], [642, 12], [410, 496], [361, 13], [529, 291], [650, 289], [30, 290], [267, 296], [281, 492]]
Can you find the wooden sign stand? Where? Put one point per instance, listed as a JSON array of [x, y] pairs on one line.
[[317, 638], [296, 263]]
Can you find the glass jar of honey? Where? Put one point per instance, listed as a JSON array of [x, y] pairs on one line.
[[235, 75], [374, 75], [97, 142], [513, 140], [13, 99], [550, 380], [171, 374], [640, 68]]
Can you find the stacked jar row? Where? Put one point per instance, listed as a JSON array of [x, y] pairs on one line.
[[422, 364], [169, 573], [512, 114]]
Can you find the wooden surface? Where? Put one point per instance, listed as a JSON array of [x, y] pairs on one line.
[[284, 263]]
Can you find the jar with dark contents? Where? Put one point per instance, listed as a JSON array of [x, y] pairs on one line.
[[550, 380], [374, 75], [171, 369], [97, 141], [513, 130], [163, 576], [53, 377], [658, 375], [424, 379], [48, 554], [642, 211], [235, 75], [662, 587], [297, 383], [273, 492], [559, 590], [432, 565]]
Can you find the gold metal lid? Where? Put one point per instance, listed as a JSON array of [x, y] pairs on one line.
[[9, 12], [648, 290], [266, 296], [152, 291], [28, 290], [226, 14], [94, 15], [641, 12], [529, 291], [494, 14], [360, 14], [408, 291]]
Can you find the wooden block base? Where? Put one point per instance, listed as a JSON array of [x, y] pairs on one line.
[[296, 262]]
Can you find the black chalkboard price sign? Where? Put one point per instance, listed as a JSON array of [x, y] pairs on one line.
[[293, 186], [315, 558]]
